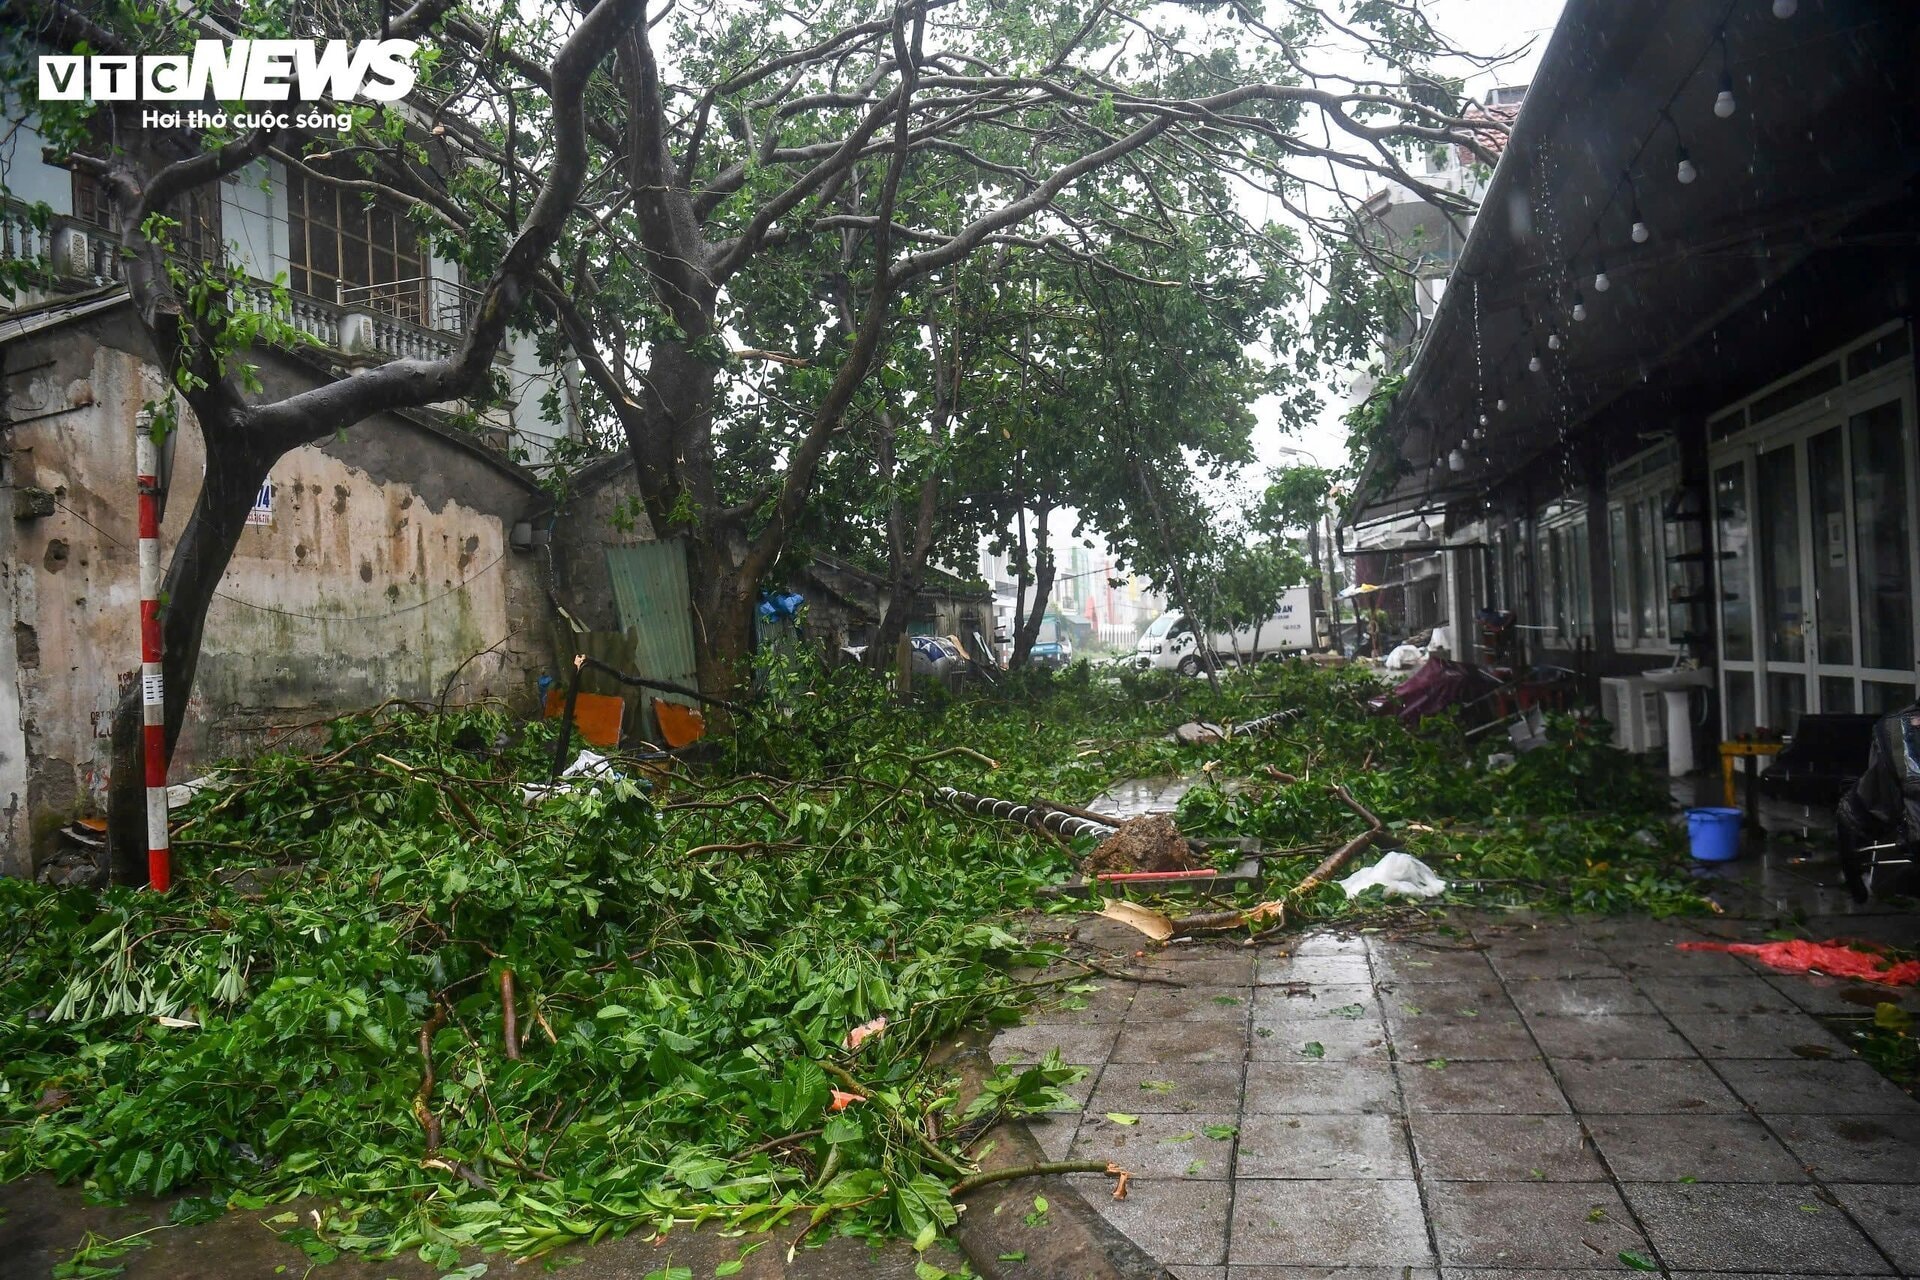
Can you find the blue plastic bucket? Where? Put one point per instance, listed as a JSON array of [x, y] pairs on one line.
[[1715, 834]]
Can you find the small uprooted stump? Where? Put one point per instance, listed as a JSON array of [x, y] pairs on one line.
[[1151, 843]]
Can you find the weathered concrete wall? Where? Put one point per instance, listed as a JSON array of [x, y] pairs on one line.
[[383, 567], [602, 510]]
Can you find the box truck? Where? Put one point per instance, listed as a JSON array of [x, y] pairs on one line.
[[1173, 643]]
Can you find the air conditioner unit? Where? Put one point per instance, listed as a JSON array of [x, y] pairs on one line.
[[1635, 710]]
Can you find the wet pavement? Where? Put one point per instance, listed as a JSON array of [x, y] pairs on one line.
[[1503, 1096]]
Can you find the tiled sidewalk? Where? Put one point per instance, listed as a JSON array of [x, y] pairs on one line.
[[1532, 1101]]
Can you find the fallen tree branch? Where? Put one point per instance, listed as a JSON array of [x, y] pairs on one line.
[[509, 1016], [973, 1182], [423, 1098]]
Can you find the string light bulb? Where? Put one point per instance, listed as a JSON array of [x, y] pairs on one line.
[[1723, 103], [1483, 419], [1553, 342], [1456, 461], [1579, 306], [1640, 233], [1500, 404], [1785, 8], [1601, 281], [1534, 363], [1684, 170]]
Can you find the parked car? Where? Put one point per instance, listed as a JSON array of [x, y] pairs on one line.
[[1052, 655]]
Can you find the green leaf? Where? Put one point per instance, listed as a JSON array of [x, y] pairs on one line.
[[1121, 1117], [1636, 1261], [1314, 1049], [1220, 1132]]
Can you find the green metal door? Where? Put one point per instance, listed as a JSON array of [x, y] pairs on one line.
[[650, 593]]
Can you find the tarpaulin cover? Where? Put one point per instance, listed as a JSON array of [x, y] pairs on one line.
[[1439, 684], [1835, 959]]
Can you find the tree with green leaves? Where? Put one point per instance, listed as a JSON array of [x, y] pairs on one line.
[[790, 188], [499, 204]]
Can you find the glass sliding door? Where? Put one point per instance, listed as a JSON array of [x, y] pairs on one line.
[[1780, 602], [1884, 576]]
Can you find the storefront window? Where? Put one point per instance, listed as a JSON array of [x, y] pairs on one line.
[[1649, 595], [1832, 578], [1782, 601], [1736, 597], [1880, 516], [1620, 557]]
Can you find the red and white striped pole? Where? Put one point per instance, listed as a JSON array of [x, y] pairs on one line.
[[153, 700]]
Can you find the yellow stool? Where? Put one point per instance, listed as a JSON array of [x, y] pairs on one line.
[[1731, 751]]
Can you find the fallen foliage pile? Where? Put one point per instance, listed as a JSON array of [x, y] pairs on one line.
[[385, 979]]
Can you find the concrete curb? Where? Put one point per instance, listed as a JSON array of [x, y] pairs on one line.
[[1077, 1243]]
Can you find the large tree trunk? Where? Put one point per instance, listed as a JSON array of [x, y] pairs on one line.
[[1028, 630], [233, 479]]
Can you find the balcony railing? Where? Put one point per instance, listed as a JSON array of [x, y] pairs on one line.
[[370, 323]]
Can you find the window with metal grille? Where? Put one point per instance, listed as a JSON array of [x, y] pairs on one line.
[[341, 248]]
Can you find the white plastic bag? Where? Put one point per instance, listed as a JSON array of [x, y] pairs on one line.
[[1404, 658], [1400, 873], [588, 764]]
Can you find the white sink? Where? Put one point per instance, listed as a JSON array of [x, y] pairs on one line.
[[1679, 678]]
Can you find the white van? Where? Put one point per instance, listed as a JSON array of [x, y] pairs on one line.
[[1172, 643]]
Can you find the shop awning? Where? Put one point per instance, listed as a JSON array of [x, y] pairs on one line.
[[1820, 151]]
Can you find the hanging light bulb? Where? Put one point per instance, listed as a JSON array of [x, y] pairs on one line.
[[1423, 531], [1601, 281], [1553, 342], [1684, 170], [1579, 306], [1533, 361], [1483, 419], [1785, 8], [1640, 232], [1501, 404], [1456, 461], [1723, 104]]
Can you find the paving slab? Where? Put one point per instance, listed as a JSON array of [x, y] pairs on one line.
[[1704, 1148], [1332, 1273], [1536, 960], [1107, 1002], [1523, 1087], [1081, 1046], [1489, 1038], [1321, 1088], [1341, 1223], [1715, 993], [1645, 960], [1313, 969], [1172, 1042], [1570, 1225], [1650, 1086], [1201, 1002], [1299, 1002], [1336, 1039], [1882, 1148], [1890, 1216], [1150, 1087], [1622, 1036], [1503, 1148], [1797, 1086], [1409, 1003], [1183, 1219], [1418, 965], [1322, 1146], [1758, 1035], [1752, 1227], [1822, 995], [1579, 997], [1161, 1146]]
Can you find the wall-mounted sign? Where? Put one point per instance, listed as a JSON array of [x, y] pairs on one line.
[[262, 512]]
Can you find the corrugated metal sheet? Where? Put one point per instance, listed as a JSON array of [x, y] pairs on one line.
[[650, 592]]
